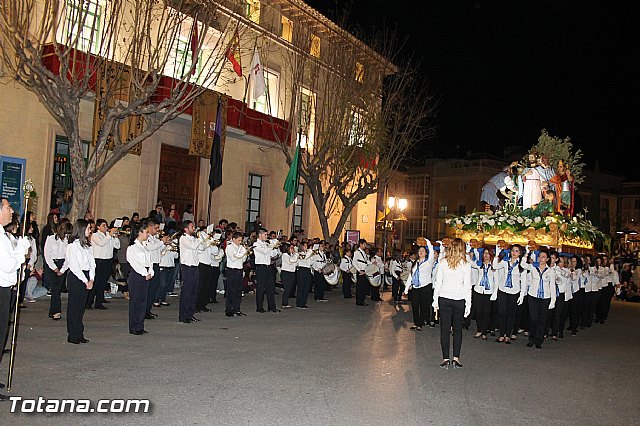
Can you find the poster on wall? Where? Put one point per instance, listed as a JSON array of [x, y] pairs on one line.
[[12, 176], [352, 237]]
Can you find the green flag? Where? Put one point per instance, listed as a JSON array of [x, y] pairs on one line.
[[291, 182]]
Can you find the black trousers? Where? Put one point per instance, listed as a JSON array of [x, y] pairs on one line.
[[347, 283], [5, 313], [421, 300], [589, 308], [605, 301], [153, 285], [265, 286], [213, 288], [576, 305], [55, 284], [205, 282], [538, 319], [362, 287], [507, 306], [138, 293], [319, 285], [288, 282], [451, 315], [482, 304], [233, 293], [396, 289], [189, 292], [303, 280], [375, 291], [103, 270], [557, 326], [78, 295]]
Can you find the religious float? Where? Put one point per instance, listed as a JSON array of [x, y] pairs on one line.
[[531, 202]]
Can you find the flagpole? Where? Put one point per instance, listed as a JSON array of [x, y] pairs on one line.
[[293, 212]]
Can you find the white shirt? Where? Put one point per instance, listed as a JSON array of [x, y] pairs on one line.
[[55, 249], [236, 255], [154, 245], [189, 250], [360, 260], [33, 252], [395, 268], [81, 259], [103, 245], [307, 261], [289, 262], [454, 284], [216, 256], [264, 251], [563, 282], [503, 267], [168, 259], [319, 261], [10, 260], [424, 269], [139, 257], [593, 281], [548, 281], [488, 287]]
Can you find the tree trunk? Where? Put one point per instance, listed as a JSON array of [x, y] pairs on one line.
[[81, 196]]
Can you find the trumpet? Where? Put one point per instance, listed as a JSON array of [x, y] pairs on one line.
[[172, 245]]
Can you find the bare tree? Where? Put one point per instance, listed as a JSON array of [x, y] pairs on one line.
[[71, 51], [356, 115]]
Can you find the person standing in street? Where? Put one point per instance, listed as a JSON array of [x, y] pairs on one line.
[[141, 274]]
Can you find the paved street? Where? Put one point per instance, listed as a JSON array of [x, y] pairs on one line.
[[333, 364]]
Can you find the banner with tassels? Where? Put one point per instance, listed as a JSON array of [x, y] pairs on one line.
[[203, 123]]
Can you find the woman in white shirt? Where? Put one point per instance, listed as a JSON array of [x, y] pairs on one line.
[[395, 269], [511, 274], [288, 272], [592, 291], [139, 258], [541, 289], [563, 295], [420, 283], [576, 279], [484, 291], [82, 265], [55, 252], [346, 265], [452, 296]]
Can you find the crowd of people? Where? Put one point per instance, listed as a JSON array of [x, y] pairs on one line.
[[509, 290]]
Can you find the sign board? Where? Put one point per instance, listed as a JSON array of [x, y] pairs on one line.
[[12, 176], [352, 237]]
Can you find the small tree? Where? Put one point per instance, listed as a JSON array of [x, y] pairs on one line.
[[116, 52], [354, 113]]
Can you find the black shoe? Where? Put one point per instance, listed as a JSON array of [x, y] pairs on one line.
[[89, 308], [262, 311], [538, 346], [102, 308], [187, 321], [205, 309], [229, 314], [194, 319], [164, 304], [106, 301], [83, 340], [432, 324], [275, 311], [149, 316], [214, 301], [529, 345], [362, 304], [1, 385], [74, 341], [143, 331], [348, 297], [240, 314], [136, 333], [574, 333], [302, 307], [445, 364], [456, 364], [152, 314], [4, 397]]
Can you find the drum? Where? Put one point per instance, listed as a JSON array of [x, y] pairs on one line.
[[329, 268], [373, 274], [334, 277]]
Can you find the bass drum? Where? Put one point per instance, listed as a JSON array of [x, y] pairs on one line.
[[334, 277], [373, 274]]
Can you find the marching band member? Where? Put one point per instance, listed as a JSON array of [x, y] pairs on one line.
[[141, 274], [288, 272], [607, 291], [395, 269], [484, 291], [376, 259], [420, 283], [575, 304], [55, 251], [592, 290], [319, 262], [264, 250], [154, 245], [509, 284], [346, 266], [360, 263], [563, 295], [205, 271], [303, 276], [82, 267], [217, 254], [613, 281], [189, 245], [452, 296], [103, 242], [542, 297], [236, 255], [168, 256]]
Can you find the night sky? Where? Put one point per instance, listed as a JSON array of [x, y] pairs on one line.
[[506, 69]]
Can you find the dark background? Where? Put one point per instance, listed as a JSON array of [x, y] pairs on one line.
[[504, 70]]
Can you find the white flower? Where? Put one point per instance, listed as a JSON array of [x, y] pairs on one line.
[[491, 222], [548, 220], [467, 221], [511, 221], [537, 219], [527, 222], [520, 219], [458, 222]]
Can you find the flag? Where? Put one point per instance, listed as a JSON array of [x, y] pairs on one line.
[[291, 182], [194, 47], [215, 160], [381, 205], [233, 54], [257, 74]]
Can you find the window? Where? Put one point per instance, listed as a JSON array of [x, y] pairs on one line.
[[315, 46], [85, 13], [180, 59], [62, 179], [359, 72], [253, 10], [287, 29], [271, 80], [442, 212], [356, 130], [254, 196], [306, 118], [462, 210], [298, 207]]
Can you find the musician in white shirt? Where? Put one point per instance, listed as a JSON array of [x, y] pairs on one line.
[[205, 271], [592, 291], [189, 261], [55, 252], [376, 259], [154, 246], [217, 253], [168, 256], [319, 283], [303, 276], [139, 258], [608, 290], [290, 259], [264, 250], [103, 242], [80, 279], [236, 256], [346, 268], [360, 263], [395, 270]]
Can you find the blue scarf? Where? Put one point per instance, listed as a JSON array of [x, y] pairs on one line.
[[485, 277], [415, 278], [509, 283], [541, 286]]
